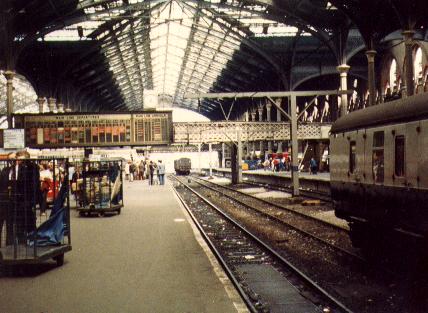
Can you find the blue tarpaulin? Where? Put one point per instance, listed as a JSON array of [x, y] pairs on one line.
[[52, 231]]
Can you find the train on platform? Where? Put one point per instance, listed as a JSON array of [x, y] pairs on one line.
[[182, 166], [379, 171]]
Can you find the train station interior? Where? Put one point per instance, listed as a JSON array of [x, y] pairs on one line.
[[213, 156]]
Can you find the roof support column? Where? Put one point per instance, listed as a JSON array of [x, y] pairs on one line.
[[371, 76], [51, 104], [41, 103], [343, 70], [268, 119], [408, 42], [260, 109], [60, 107], [278, 119], [294, 146], [268, 111], [9, 96], [223, 156]]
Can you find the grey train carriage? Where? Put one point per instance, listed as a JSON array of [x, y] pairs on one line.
[[182, 166], [379, 170]]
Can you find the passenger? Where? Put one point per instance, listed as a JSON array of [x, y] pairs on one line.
[[161, 172], [27, 193], [6, 216], [147, 171], [275, 167], [281, 164], [313, 166], [156, 170], [76, 185], [132, 171], [46, 181], [151, 172], [266, 164], [142, 168], [127, 170]]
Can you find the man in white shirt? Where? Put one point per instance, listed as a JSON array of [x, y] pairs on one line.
[[161, 171]]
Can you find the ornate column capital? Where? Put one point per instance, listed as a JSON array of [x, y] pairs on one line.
[[51, 104], [408, 36], [371, 55], [343, 68], [41, 102], [9, 75]]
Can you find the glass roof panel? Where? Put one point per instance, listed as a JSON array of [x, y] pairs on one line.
[[175, 46]]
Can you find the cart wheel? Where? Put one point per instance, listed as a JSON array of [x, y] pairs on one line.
[[59, 260], [102, 214]]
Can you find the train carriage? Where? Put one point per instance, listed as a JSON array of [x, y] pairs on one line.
[[379, 170], [182, 166]]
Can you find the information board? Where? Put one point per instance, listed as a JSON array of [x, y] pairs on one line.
[[74, 130], [14, 138]]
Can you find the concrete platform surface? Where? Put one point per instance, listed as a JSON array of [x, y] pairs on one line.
[[148, 259], [305, 175]]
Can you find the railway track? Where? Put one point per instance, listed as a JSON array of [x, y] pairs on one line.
[[244, 256], [330, 235]]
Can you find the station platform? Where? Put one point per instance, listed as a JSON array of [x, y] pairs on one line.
[[150, 258], [319, 182], [325, 176]]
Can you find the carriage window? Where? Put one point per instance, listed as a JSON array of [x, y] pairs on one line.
[[377, 161], [399, 156], [352, 160]]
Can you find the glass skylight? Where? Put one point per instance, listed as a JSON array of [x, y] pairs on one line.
[[174, 47]]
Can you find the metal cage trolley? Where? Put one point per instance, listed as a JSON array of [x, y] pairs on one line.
[[34, 211], [101, 187]]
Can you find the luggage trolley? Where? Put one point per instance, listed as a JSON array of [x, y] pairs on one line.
[[101, 188], [32, 231]]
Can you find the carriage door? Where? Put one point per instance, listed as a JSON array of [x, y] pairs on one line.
[[411, 154], [378, 157]]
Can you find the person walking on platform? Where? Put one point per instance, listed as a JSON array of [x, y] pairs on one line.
[[161, 172], [151, 172], [127, 170], [142, 168], [132, 170]]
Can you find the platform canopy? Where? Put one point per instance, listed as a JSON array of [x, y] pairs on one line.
[[102, 55]]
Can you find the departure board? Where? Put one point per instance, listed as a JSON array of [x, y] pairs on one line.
[[74, 130]]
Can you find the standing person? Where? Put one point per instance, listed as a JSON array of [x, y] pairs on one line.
[[127, 170], [313, 166], [26, 194], [142, 167], [132, 169], [76, 185], [266, 164], [151, 172], [156, 181], [46, 181], [161, 172], [6, 216]]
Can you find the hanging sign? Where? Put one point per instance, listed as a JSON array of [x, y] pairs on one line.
[[14, 138]]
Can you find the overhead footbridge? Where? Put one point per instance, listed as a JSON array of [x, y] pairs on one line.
[[206, 132]]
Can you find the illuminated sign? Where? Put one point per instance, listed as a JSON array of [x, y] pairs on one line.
[[69, 130]]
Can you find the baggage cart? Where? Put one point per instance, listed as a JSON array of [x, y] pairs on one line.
[[32, 231], [101, 188]]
